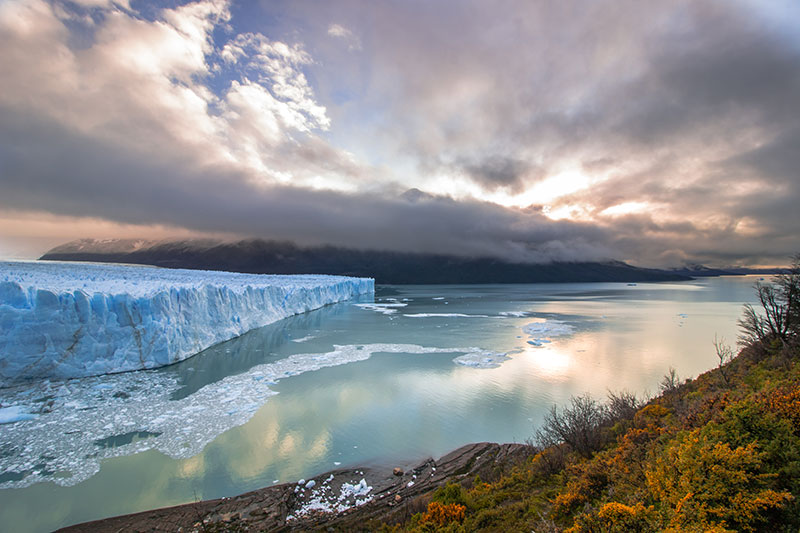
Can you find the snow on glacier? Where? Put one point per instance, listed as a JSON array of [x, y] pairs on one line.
[[73, 425], [64, 320]]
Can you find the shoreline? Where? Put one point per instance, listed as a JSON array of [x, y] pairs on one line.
[[342, 499]]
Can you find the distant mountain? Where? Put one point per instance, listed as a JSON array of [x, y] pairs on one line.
[[271, 257], [701, 271]]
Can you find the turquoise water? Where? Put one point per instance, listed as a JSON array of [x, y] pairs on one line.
[[403, 400]]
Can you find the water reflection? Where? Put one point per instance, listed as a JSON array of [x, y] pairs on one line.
[[405, 406], [259, 346]]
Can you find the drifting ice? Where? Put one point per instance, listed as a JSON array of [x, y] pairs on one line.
[[63, 320], [69, 427]]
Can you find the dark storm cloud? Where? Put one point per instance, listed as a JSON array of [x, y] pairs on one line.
[[498, 172], [108, 181]]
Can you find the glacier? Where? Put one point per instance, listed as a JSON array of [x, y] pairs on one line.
[[65, 320]]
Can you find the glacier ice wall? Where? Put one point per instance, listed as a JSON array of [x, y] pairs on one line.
[[63, 320]]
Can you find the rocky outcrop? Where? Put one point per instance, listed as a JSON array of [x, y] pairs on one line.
[[288, 507]]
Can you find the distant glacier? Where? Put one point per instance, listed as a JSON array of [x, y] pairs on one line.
[[65, 320]]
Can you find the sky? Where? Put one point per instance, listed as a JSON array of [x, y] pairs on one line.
[[660, 133]]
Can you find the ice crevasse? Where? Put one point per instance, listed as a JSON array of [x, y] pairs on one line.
[[63, 320]]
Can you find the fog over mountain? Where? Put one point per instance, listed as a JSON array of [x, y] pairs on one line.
[[271, 257]]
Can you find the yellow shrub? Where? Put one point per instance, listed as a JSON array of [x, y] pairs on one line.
[[443, 514], [615, 517], [698, 480]]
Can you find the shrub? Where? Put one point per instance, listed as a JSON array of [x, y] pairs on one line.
[[440, 514], [699, 480], [579, 425], [614, 517], [452, 493], [780, 306]]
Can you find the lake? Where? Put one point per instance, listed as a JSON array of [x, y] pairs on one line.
[[423, 371]]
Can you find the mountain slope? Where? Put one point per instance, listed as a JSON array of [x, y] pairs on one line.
[[272, 257]]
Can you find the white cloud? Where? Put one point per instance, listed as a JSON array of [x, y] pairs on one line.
[[340, 32], [143, 84]]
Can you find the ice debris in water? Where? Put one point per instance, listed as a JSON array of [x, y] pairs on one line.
[[385, 309], [15, 413], [80, 422], [541, 331], [444, 315], [538, 342], [481, 359], [65, 320], [518, 314]]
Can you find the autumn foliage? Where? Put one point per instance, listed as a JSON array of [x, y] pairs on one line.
[[442, 514], [711, 454]]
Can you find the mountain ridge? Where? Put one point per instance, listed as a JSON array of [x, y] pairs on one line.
[[280, 257]]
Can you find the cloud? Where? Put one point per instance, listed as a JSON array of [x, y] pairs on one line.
[[659, 133], [340, 32]]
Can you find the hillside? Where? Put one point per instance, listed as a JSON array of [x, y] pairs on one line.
[[271, 257], [717, 453]]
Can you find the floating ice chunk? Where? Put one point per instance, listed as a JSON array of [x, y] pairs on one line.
[[15, 413], [385, 309], [538, 342], [336, 463], [448, 315], [518, 314], [481, 359], [548, 328], [68, 320], [304, 339], [439, 298]]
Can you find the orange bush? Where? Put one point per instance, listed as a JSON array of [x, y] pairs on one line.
[[699, 480], [785, 403], [443, 514], [615, 517]]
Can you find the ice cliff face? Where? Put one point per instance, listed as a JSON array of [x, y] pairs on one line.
[[60, 320]]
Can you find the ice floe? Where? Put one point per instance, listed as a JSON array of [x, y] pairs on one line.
[[445, 315], [304, 339], [60, 431], [15, 413], [385, 309], [541, 332], [482, 359]]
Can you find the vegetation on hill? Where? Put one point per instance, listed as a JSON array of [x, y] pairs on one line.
[[717, 453]]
